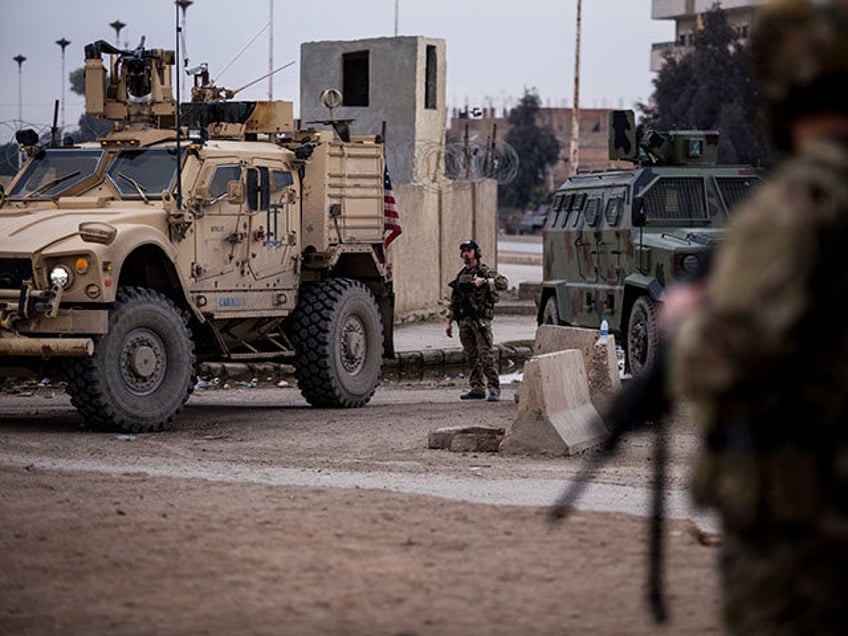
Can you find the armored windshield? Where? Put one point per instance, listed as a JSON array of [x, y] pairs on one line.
[[143, 173], [678, 200], [56, 170], [734, 190]]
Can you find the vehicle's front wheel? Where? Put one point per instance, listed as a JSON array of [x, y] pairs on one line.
[[643, 335], [337, 334], [142, 371]]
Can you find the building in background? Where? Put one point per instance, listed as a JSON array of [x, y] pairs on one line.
[[687, 16], [481, 125]]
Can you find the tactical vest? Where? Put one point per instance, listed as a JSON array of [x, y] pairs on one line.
[[468, 301]]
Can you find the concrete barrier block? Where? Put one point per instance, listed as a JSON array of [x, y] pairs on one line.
[[599, 356], [432, 357], [410, 360], [530, 291], [454, 357], [481, 439], [555, 414]]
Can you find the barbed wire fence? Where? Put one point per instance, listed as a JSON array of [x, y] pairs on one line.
[[433, 163], [87, 129]]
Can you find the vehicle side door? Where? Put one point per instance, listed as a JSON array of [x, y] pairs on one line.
[[219, 238], [273, 229]]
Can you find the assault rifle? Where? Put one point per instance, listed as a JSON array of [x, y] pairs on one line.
[[640, 404], [463, 291]]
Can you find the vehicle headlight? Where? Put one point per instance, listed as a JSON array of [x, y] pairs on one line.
[[61, 276], [691, 263]]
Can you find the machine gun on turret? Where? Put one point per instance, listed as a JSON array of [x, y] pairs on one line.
[[649, 147]]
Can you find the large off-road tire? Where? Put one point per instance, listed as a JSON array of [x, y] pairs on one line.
[[338, 338], [142, 371], [643, 335]]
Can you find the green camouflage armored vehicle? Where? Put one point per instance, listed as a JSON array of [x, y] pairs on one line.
[[615, 239], [125, 262]]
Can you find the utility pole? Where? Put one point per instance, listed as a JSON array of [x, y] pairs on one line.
[[271, 50], [397, 2], [20, 59], [63, 43], [117, 25], [574, 153]]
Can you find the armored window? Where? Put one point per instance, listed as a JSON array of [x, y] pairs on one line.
[[593, 212], [612, 213], [559, 211], [576, 207], [677, 200], [220, 178], [577, 202], [55, 170], [355, 79], [280, 179], [556, 206], [430, 82], [258, 186], [733, 190], [146, 172]]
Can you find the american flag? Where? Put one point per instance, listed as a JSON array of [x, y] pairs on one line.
[[391, 218]]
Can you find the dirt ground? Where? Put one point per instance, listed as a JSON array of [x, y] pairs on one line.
[[256, 514]]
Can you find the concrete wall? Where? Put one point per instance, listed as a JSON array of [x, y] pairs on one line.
[[435, 221]]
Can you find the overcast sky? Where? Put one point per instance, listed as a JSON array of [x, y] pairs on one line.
[[495, 48]]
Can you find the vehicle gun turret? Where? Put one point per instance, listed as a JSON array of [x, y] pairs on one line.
[[650, 147], [138, 87]]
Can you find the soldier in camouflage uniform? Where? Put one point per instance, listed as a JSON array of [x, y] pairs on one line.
[[474, 293], [764, 357]]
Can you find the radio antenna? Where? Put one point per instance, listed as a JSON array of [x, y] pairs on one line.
[[177, 117], [239, 54]]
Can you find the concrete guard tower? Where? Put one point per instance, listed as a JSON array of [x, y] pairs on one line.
[[399, 80]]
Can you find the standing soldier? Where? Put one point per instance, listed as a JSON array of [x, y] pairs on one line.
[[763, 358], [473, 297]]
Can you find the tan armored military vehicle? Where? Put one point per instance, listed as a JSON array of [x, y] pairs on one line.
[[126, 261]]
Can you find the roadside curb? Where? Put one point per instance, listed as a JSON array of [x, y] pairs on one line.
[[412, 364], [405, 364], [515, 258], [506, 354]]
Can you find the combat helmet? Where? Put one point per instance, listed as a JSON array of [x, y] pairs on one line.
[[799, 54], [470, 243]]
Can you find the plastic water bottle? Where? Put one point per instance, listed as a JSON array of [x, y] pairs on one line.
[[603, 334]]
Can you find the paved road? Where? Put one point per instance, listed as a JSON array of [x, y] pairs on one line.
[[270, 436], [520, 244]]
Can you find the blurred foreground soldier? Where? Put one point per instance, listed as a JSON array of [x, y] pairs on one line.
[[474, 293], [763, 358]]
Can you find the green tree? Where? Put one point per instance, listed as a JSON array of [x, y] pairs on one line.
[[537, 149], [710, 87]]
